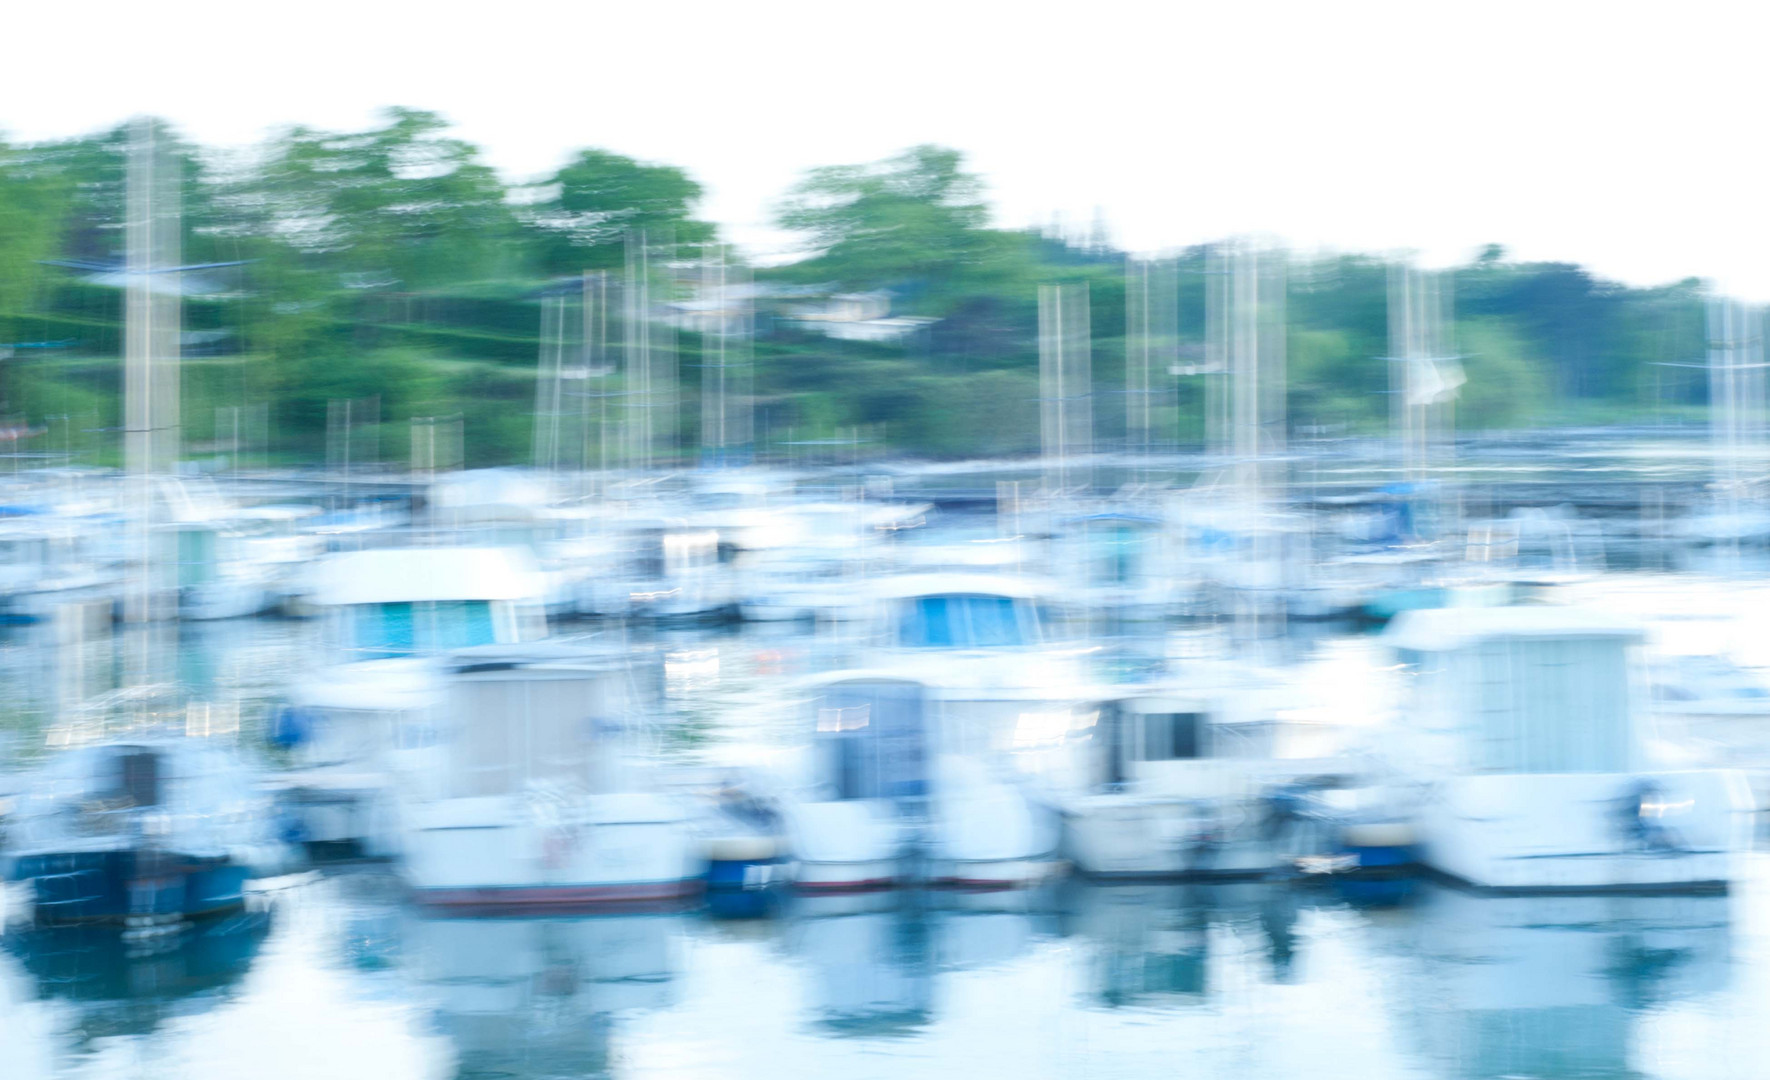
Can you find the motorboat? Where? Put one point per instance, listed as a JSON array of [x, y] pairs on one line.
[[1525, 723], [142, 829], [535, 794], [1178, 784], [926, 758], [350, 724]]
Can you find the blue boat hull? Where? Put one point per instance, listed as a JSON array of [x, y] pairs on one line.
[[744, 888], [88, 886]]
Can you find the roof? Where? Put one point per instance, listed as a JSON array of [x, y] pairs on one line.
[[415, 574], [570, 657], [961, 584], [1445, 629]]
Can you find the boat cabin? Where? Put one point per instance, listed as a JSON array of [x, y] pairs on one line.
[[963, 612], [1153, 736], [871, 739], [1521, 689], [533, 716], [392, 602], [1115, 550]]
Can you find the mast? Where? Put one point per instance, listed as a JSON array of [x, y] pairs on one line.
[[1066, 399], [153, 312], [1424, 377]]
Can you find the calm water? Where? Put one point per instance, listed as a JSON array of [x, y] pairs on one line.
[[337, 977]]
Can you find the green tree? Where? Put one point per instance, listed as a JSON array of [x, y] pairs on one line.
[[584, 212], [399, 205], [915, 219]]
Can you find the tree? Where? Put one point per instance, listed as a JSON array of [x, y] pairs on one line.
[[399, 205], [915, 219], [584, 211]]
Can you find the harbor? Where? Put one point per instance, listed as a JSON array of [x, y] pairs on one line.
[[799, 543]]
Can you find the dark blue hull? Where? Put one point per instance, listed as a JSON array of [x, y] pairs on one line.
[[89, 886], [744, 888]]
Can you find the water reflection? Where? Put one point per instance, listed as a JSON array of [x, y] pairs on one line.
[[868, 962], [537, 997], [121, 983], [1152, 944], [1552, 985]]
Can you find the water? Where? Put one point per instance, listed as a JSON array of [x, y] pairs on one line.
[[336, 976]]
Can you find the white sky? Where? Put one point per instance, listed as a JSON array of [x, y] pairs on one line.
[[1628, 137]]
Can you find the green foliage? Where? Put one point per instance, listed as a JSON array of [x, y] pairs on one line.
[[394, 264], [1505, 386], [589, 207], [917, 220]]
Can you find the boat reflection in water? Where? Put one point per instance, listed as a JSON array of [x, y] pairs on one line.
[[1552, 985], [870, 966], [538, 997], [1151, 944], [124, 983], [872, 960]]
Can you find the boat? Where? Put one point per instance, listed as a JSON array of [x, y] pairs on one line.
[[141, 829], [46, 564], [1525, 723], [1123, 563], [370, 709], [1177, 785], [925, 758], [534, 796]]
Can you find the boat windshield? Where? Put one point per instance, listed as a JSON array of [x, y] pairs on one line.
[[966, 622], [405, 629]]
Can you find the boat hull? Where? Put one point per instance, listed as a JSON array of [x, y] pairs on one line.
[[1579, 832], [989, 874], [1105, 836], [123, 884], [861, 875], [484, 854]]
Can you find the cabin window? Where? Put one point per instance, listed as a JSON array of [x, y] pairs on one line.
[[875, 739], [965, 622], [196, 556], [402, 629], [1171, 736], [1118, 551], [138, 777]]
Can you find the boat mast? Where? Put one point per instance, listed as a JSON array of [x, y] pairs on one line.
[[1066, 400], [150, 357]]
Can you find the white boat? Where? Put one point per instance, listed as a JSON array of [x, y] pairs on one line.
[[1124, 564], [45, 564], [1525, 722], [805, 560], [230, 561], [1176, 786], [925, 761], [352, 722], [534, 795]]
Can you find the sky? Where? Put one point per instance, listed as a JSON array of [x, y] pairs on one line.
[[1624, 136]]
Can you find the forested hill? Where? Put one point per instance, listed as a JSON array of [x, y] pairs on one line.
[[395, 266]]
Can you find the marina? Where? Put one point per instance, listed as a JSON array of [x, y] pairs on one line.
[[661, 570]]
